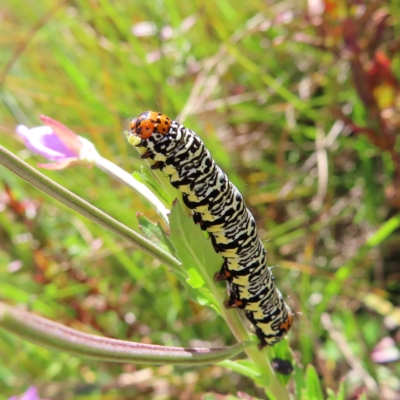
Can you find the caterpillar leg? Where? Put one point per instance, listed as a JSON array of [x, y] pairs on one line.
[[147, 154], [262, 343], [157, 165], [198, 220], [234, 300], [223, 275], [233, 303]]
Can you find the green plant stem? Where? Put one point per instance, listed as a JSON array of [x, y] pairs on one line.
[[51, 334], [119, 174], [53, 189]]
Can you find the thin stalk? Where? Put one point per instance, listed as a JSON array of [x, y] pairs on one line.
[[53, 189], [47, 333], [119, 174]]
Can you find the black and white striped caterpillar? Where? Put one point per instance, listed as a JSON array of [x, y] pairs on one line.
[[219, 208]]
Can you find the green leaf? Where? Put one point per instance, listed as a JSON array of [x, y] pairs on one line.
[[243, 367], [299, 381], [149, 179], [384, 231], [331, 394], [304, 395], [154, 232], [340, 394], [282, 350], [14, 293], [314, 390], [197, 255]]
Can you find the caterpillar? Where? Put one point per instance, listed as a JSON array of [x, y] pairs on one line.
[[218, 207]]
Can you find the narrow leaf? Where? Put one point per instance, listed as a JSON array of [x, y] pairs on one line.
[[299, 380], [243, 367], [154, 232], [384, 231], [150, 181], [314, 390], [197, 255]]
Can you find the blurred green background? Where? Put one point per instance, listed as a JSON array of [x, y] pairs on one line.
[[299, 104]]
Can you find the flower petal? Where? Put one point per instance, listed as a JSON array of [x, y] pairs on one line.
[[69, 138], [62, 164], [385, 351], [31, 394], [42, 140]]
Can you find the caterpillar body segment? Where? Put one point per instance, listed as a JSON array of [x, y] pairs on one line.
[[219, 209]]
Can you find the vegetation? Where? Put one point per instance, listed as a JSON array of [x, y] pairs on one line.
[[298, 103]]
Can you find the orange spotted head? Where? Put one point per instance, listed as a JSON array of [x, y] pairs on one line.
[[148, 123]]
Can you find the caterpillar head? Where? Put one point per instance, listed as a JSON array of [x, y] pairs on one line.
[[147, 124]]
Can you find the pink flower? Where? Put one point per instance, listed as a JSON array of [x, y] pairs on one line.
[[56, 142], [385, 351], [30, 394]]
